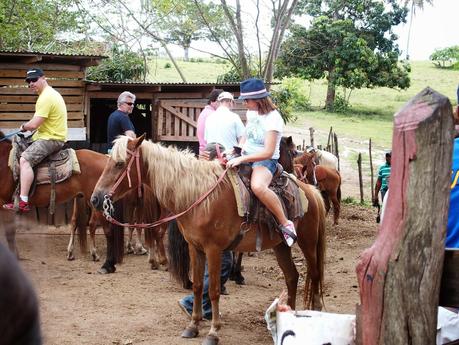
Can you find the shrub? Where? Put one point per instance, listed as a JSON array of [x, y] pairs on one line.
[[445, 58], [123, 65], [167, 65]]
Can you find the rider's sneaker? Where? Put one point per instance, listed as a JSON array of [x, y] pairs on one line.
[[22, 206], [289, 233]]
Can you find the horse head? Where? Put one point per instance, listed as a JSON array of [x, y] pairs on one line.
[[307, 161], [122, 172]]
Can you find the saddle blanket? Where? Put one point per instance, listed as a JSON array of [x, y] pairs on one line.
[[65, 161], [298, 208]]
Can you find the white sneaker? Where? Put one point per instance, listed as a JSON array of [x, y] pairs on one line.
[[289, 233]]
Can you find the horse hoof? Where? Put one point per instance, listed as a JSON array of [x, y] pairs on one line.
[[141, 251], [95, 258], [190, 332], [210, 340], [70, 257], [106, 270]]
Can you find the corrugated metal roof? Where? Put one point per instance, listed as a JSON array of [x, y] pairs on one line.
[[26, 52], [159, 83]]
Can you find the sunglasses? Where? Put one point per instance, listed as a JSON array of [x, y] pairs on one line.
[[31, 80], [129, 103]]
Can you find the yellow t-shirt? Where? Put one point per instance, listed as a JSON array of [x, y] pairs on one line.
[[51, 106]]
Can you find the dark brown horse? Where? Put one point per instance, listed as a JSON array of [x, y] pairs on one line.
[[178, 180], [327, 179]]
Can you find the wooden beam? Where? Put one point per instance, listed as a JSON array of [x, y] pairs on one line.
[[44, 66], [399, 275], [114, 95], [21, 107], [177, 138], [25, 116], [179, 114], [20, 73]]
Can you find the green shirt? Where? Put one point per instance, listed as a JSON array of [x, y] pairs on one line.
[[383, 174]]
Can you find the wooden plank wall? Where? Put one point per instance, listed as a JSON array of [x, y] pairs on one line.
[[17, 101], [177, 119]]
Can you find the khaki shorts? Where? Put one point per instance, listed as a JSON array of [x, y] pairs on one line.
[[40, 149]]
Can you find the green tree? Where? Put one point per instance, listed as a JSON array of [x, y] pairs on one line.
[[350, 43], [444, 58], [122, 66], [35, 24]]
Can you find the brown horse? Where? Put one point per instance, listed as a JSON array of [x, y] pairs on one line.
[[91, 165], [327, 179], [178, 180]]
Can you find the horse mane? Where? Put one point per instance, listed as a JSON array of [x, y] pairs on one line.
[[177, 177]]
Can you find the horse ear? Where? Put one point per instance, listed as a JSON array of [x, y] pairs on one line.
[[139, 140], [289, 140]]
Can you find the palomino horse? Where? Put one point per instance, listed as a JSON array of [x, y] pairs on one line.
[[91, 165], [327, 179], [178, 180]]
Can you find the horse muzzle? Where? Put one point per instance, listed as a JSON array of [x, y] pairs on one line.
[[97, 200]]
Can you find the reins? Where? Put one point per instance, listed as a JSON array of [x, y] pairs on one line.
[[108, 204]]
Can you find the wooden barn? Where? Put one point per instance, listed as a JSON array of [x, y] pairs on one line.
[[166, 112]]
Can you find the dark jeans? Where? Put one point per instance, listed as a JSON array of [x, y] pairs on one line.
[[383, 193], [187, 301]]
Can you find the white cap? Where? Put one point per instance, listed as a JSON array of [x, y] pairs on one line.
[[225, 95]]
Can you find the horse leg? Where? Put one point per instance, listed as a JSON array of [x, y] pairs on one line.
[[71, 245], [160, 249], [94, 220], [197, 259], [129, 246], [284, 259], [214, 262], [236, 271], [326, 200], [150, 242], [139, 249], [109, 264], [336, 208]]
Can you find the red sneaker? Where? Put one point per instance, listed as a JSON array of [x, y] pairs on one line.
[[22, 207]]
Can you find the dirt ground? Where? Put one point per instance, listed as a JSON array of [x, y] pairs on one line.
[[139, 306]]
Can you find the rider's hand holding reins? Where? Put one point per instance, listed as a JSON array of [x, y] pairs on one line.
[[235, 162]]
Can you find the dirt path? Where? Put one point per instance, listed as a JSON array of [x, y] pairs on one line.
[[139, 306]]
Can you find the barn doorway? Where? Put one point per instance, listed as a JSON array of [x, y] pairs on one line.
[[100, 110]]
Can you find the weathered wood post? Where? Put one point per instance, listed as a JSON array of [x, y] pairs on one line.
[[359, 164], [371, 171], [311, 134], [399, 275], [336, 149]]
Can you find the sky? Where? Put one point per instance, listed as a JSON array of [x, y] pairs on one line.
[[434, 27]]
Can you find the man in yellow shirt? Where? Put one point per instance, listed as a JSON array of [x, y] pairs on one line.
[[50, 123]]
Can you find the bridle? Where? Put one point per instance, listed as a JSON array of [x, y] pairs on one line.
[[108, 202]]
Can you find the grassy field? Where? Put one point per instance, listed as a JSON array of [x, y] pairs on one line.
[[162, 70], [372, 110]]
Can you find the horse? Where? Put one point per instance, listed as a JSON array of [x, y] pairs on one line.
[[178, 179], [19, 321], [327, 179], [78, 185]]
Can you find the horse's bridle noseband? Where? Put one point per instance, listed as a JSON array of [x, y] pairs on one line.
[[135, 155]]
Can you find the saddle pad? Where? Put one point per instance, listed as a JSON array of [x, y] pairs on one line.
[[242, 196], [240, 193], [64, 168]]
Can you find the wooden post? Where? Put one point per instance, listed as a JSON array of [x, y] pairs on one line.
[[311, 135], [330, 137], [371, 171], [359, 163], [304, 145], [336, 149], [399, 275]]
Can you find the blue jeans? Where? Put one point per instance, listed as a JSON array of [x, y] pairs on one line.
[[270, 164], [187, 301]]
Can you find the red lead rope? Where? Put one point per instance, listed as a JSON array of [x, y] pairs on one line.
[[163, 220]]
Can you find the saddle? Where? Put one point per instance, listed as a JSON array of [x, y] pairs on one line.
[[292, 198], [56, 168]]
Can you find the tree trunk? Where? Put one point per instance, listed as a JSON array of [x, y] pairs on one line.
[[331, 90], [399, 275], [186, 51]]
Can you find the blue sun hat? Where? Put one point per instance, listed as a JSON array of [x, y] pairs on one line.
[[253, 88]]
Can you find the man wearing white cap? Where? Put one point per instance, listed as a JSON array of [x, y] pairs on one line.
[[224, 126]]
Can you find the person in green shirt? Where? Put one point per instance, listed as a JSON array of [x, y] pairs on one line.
[[382, 183]]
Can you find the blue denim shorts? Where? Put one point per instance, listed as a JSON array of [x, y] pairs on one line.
[[270, 164]]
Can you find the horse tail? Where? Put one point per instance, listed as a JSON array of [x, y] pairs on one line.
[[338, 192], [81, 216], [308, 297], [179, 255]]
